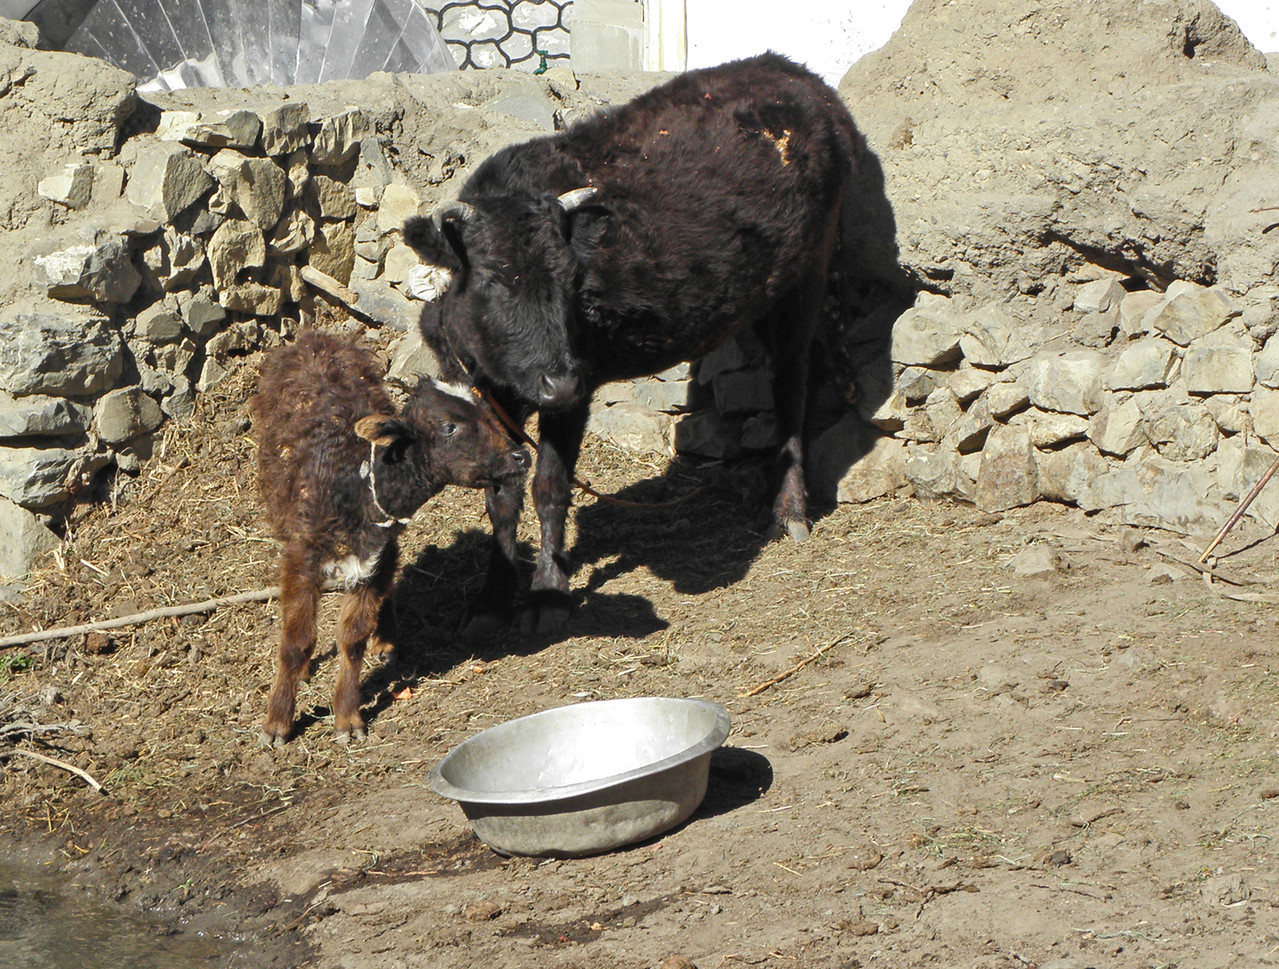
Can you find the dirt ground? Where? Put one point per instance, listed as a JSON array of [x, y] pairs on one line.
[[1016, 740]]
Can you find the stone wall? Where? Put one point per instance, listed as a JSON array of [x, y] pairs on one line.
[[1157, 408], [1055, 292], [1077, 207]]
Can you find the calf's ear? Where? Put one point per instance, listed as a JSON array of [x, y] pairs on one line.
[[387, 432]]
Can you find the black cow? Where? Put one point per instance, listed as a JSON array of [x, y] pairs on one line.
[[642, 237]]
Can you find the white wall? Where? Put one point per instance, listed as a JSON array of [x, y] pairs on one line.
[[831, 35], [1258, 19], [827, 35]]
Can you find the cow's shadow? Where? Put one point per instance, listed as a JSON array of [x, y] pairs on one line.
[[699, 528], [426, 609], [710, 538]]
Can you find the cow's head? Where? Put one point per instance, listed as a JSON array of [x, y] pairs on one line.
[[508, 269]]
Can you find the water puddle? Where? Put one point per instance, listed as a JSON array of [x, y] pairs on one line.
[[46, 924]]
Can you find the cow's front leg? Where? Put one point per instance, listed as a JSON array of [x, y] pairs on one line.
[[549, 602], [494, 607]]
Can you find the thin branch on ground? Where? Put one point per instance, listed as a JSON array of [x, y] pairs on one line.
[[182, 609], [54, 762], [756, 690], [32, 729]]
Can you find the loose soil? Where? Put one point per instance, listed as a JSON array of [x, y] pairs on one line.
[[987, 765]]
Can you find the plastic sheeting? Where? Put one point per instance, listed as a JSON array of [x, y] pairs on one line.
[[170, 44]]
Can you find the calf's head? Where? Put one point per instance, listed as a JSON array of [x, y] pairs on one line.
[[444, 436], [508, 266]]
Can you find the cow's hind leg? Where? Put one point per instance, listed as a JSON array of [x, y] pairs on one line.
[[790, 343], [299, 602], [356, 623], [549, 602]]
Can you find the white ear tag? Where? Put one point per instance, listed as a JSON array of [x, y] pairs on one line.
[[428, 283]]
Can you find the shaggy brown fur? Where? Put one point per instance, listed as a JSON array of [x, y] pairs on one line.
[[340, 473]]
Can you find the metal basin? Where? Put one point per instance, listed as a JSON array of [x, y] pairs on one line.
[[584, 778]]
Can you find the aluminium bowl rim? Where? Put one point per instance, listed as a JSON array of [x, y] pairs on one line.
[[714, 737]]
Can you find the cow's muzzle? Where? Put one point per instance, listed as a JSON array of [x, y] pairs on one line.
[[558, 390]]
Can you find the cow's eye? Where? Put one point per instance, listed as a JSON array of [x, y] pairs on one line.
[[448, 429]]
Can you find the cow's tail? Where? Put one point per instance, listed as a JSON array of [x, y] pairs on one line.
[[868, 288]]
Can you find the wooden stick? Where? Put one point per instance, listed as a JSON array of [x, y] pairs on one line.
[[327, 284], [1238, 513], [56, 763], [183, 609], [754, 691]]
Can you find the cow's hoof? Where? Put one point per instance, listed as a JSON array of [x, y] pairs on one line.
[[796, 528], [545, 613]]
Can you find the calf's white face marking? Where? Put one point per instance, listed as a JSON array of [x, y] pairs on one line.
[[460, 391]]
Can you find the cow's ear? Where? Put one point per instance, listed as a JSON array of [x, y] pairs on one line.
[[583, 218], [436, 245], [584, 227]]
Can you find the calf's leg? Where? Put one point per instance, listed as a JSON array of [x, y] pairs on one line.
[[357, 621], [299, 601]]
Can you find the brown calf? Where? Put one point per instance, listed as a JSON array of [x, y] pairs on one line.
[[340, 473]]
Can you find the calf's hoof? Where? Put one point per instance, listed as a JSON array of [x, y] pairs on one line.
[[482, 627], [270, 737], [375, 645], [345, 736]]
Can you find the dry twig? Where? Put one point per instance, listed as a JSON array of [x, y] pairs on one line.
[[787, 674], [53, 761], [1198, 568], [182, 609], [32, 729], [930, 892]]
